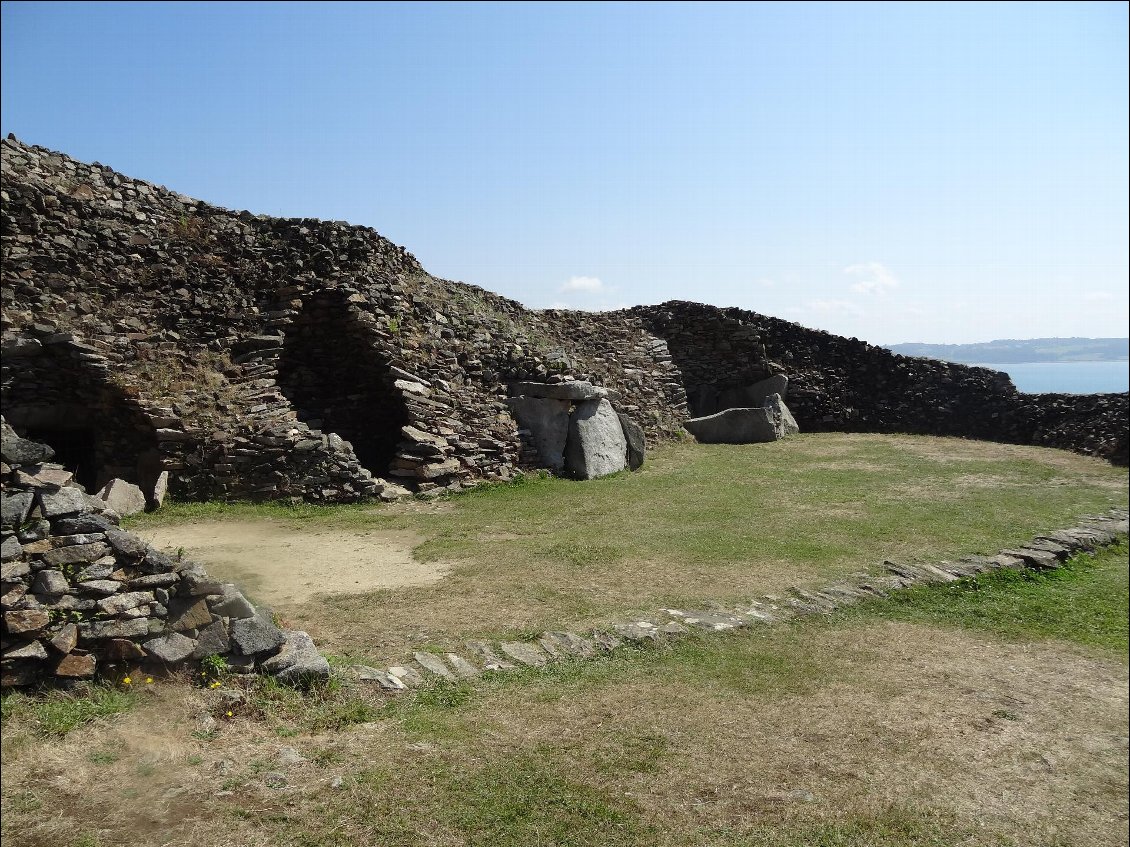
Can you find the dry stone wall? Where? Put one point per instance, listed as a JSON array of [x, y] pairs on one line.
[[843, 384], [257, 357], [82, 598]]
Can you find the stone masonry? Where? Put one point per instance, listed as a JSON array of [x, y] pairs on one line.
[[82, 598], [249, 357]]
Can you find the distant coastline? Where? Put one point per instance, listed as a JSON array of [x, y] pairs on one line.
[[1065, 377], [1023, 351]]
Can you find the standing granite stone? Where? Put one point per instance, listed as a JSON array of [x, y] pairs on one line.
[[637, 442], [123, 497], [782, 418], [596, 446], [160, 489], [547, 419]]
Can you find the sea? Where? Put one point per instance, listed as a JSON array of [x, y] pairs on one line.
[[1066, 377]]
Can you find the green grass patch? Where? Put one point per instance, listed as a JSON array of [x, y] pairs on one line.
[[55, 714], [1086, 601]]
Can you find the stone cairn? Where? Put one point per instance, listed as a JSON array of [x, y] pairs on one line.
[[83, 598]]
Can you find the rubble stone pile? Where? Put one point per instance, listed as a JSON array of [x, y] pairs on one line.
[[81, 597]]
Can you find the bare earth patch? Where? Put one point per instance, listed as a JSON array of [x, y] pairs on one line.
[[279, 564]]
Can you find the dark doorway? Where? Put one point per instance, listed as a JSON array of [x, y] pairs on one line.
[[74, 449], [338, 381]]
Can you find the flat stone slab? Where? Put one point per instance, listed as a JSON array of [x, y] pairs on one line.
[[566, 644], [575, 390], [463, 669], [713, 621], [385, 680], [491, 660], [525, 654], [434, 665], [547, 420], [734, 426], [637, 630], [408, 676]]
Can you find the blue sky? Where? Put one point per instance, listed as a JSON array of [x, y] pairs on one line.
[[921, 172]]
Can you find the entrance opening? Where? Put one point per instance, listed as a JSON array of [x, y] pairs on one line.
[[338, 381], [74, 449], [94, 430]]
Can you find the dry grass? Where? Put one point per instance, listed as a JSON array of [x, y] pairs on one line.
[[698, 524], [754, 739]]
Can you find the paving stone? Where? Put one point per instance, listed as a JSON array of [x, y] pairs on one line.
[[462, 668], [434, 665], [605, 640], [1035, 558], [491, 660], [385, 680], [524, 654], [408, 676], [567, 644]]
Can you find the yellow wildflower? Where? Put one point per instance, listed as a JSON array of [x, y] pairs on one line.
[[127, 681]]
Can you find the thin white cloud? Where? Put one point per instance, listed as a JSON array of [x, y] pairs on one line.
[[582, 283], [833, 307], [872, 278]]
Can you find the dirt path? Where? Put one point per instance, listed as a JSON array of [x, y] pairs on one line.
[[280, 565]]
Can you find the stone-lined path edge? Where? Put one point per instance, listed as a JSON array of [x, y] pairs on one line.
[[1046, 551]]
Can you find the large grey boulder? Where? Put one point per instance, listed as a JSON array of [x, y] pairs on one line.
[[255, 635], [123, 497], [298, 662], [547, 419], [782, 417], [752, 396], [596, 446], [735, 426]]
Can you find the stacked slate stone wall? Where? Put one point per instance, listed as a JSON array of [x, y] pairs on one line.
[[246, 351], [82, 598], [846, 385], [216, 326]]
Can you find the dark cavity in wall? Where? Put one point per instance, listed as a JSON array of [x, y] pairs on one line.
[[339, 382], [95, 431]]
